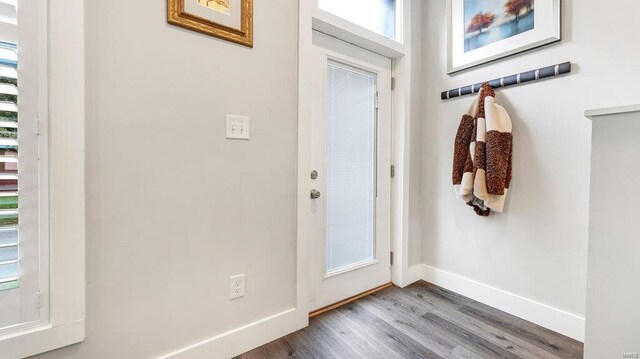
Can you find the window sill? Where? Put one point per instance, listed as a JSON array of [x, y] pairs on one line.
[[41, 339], [347, 31]]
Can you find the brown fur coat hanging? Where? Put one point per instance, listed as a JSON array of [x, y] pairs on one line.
[[482, 154]]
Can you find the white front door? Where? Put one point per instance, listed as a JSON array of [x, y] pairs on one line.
[[351, 159]]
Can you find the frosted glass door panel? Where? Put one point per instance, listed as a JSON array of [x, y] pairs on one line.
[[351, 167]]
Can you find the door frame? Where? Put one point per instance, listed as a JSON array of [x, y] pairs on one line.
[[312, 18]]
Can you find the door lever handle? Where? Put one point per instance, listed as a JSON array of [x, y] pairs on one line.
[[315, 194]]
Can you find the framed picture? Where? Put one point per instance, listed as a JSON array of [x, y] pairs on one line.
[[231, 20], [480, 31]]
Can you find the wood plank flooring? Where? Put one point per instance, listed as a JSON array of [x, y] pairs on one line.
[[420, 321]]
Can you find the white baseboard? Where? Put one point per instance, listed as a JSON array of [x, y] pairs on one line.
[[546, 316], [412, 275], [240, 340]]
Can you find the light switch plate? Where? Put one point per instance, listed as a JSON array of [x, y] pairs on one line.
[[237, 127], [236, 286]]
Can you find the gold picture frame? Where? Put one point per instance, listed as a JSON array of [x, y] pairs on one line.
[[177, 15]]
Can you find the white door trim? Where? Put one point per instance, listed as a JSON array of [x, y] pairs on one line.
[[401, 121]]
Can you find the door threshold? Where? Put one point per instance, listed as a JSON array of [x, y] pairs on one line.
[[349, 300]]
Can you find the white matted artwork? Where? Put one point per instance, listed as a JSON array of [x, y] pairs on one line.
[[222, 6], [480, 31], [223, 12]]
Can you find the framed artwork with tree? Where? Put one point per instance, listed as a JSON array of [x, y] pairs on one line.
[[481, 31], [231, 20]]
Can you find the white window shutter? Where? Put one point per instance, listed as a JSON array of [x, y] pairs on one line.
[[9, 250], [23, 268]]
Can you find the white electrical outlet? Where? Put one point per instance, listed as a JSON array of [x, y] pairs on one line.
[[236, 286], [237, 127]]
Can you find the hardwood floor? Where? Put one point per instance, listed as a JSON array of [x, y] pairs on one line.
[[420, 321]]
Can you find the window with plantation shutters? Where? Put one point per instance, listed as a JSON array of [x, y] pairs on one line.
[[22, 255], [42, 171], [9, 251]]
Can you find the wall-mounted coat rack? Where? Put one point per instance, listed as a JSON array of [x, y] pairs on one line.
[[533, 75]]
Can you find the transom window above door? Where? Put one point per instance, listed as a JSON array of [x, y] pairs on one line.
[[376, 15]]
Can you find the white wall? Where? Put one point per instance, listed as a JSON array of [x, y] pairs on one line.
[[174, 209], [538, 248], [613, 315], [415, 180]]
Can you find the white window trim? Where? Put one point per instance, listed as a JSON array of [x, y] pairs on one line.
[[63, 43]]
